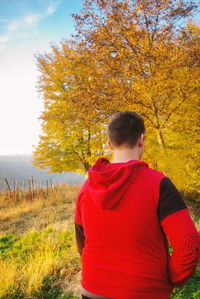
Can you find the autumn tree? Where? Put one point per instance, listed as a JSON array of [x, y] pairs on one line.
[[127, 55], [183, 134], [72, 137], [139, 48], [134, 45]]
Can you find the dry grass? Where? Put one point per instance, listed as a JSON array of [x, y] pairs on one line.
[[29, 215], [50, 220], [42, 246], [8, 275], [40, 264]]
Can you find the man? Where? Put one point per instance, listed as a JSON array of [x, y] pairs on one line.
[[125, 214]]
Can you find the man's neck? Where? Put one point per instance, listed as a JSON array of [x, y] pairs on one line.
[[121, 156]]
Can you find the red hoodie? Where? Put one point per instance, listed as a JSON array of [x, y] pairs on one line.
[[124, 214]]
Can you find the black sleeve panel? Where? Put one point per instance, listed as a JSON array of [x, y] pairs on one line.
[[170, 200], [80, 237]]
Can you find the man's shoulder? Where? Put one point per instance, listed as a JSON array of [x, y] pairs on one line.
[[153, 174], [83, 188]]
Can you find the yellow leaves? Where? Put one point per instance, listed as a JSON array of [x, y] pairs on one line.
[[125, 60]]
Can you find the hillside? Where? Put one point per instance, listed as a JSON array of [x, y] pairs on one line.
[[20, 167]]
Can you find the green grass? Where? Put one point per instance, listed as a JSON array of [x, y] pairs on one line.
[[39, 258], [191, 290], [46, 253], [32, 263]]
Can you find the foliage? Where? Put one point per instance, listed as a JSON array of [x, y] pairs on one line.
[[126, 55], [73, 137]]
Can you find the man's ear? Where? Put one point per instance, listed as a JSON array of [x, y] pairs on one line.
[[141, 140], [109, 144]]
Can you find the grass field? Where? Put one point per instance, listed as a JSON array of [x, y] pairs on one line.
[[39, 258]]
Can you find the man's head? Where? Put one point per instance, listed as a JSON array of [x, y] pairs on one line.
[[126, 130]]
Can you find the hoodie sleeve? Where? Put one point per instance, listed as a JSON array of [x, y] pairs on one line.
[[79, 231], [77, 217], [80, 237], [180, 230]]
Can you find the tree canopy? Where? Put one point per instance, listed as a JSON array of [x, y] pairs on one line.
[[127, 55]]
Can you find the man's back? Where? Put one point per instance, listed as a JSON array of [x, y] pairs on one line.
[[121, 208]]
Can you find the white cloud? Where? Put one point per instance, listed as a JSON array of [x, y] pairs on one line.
[[3, 20], [32, 19], [25, 22], [13, 26], [20, 105], [51, 9], [4, 38], [2, 47]]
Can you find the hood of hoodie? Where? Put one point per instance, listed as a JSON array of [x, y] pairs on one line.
[[108, 182]]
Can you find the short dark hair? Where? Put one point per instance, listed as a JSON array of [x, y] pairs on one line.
[[125, 127]]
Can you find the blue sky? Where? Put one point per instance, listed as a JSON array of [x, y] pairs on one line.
[[24, 20], [27, 27]]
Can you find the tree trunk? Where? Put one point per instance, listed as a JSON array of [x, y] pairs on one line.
[[86, 166], [161, 140]]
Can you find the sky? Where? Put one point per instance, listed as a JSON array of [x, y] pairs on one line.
[[27, 27]]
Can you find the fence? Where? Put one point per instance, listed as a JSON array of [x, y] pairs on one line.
[[27, 189]]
